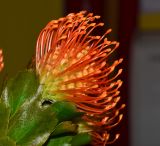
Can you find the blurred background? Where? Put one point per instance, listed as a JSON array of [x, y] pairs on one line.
[[135, 24]]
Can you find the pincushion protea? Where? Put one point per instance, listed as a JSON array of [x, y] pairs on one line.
[[72, 66], [1, 60], [71, 77]]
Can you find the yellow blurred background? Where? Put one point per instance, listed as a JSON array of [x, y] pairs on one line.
[[20, 24]]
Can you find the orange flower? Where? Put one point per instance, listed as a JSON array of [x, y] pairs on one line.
[[71, 63], [1, 60]]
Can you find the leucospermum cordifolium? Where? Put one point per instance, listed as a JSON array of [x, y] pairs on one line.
[[74, 85], [1, 60]]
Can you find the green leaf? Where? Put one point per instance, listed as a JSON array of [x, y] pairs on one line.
[[65, 111], [60, 141], [64, 128], [4, 119], [23, 86], [81, 139], [29, 122], [32, 124], [77, 140]]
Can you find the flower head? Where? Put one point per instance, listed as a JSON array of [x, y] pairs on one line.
[[72, 65], [1, 60]]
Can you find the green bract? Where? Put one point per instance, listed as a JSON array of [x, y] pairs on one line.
[[27, 119]]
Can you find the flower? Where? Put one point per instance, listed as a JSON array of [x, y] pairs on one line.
[[1, 60], [72, 65]]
